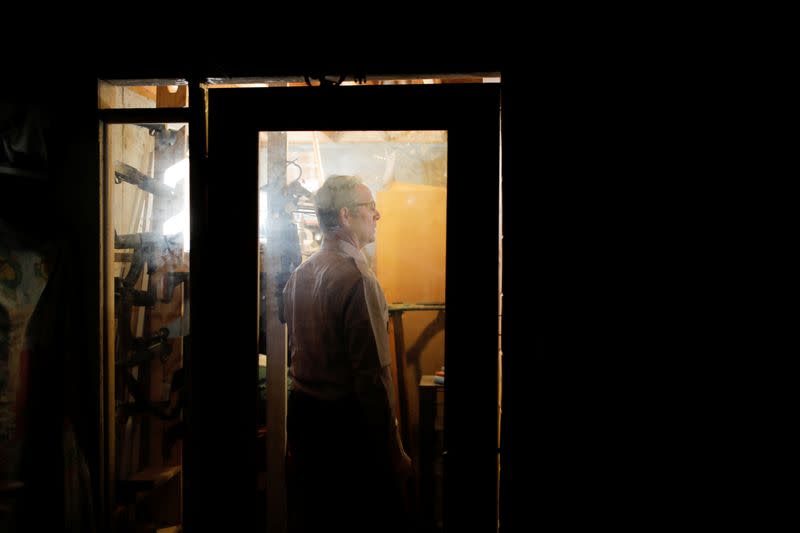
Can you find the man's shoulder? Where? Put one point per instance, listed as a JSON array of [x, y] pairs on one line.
[[335, 266]]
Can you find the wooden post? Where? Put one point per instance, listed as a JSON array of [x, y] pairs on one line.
[[108, 442], [400, 385], [276, 341], [154, 375]]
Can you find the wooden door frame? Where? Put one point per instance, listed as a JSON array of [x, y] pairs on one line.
[[220, 468]]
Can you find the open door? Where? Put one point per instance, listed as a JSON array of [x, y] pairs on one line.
[[430, 153]]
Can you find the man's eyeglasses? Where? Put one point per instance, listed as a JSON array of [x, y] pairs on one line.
[[371, 205]]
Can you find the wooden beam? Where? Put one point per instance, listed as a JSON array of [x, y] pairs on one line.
[[148, 92], [276, 345], [165, 98], [108, 444], [327, 137]]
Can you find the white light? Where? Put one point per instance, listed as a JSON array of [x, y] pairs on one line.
[[311, 184], [179, 223], [177, 172]]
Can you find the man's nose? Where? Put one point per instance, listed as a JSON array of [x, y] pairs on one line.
[[377, 215]]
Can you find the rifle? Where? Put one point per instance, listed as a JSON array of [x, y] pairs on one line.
[[172, 280], [125, 295], [147, 348], [163, 135], [150, 248], [166, 411], [129, 174]]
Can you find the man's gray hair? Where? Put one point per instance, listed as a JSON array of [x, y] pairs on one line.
[[338, 191]]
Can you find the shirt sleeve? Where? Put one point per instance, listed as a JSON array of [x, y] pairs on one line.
[[367, 342]]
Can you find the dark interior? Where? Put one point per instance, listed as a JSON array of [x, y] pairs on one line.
[[554, 434]]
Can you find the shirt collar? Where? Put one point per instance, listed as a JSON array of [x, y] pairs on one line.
[[339, 240]]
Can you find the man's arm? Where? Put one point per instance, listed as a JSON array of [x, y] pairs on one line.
[[373, 377]]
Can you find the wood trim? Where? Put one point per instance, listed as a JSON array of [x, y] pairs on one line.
[[106, 305], [145, 116], [276, 504], [147, 91], [165, 98]]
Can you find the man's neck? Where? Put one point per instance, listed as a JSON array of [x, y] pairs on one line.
[[342, 234]]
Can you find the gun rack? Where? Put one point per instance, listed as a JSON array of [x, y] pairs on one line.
[[151, 302]]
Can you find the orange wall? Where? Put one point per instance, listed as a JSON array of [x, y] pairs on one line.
[[409, 261], [410, 242]]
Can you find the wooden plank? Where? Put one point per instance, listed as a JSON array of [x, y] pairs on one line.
[[393, 347], [165, 98], [462, 80], [152, 477], [400, 364], [328, 137], [317, 154], [108, 426], [158, 378], [416, 307], [136, 212], [276, 351], [145, 219], [151, 115], [157, 484], [136, 97], [148, 91], [124, 452]]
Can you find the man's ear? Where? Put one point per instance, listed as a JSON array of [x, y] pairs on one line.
[[343, 220]]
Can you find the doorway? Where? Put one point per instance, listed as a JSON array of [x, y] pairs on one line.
[[229, 230]]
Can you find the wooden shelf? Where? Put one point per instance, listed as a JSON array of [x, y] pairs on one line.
[[401, 307], [152, 477], [427, 381], [145, 481]]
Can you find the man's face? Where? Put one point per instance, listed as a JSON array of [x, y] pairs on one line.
[[363, 216]]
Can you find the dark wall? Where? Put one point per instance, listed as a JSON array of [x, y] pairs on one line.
[[544, 167], [57, 211]]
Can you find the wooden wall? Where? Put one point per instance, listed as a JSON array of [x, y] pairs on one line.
[[410, 265]]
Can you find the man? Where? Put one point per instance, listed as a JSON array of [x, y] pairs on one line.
[[347, 460]]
